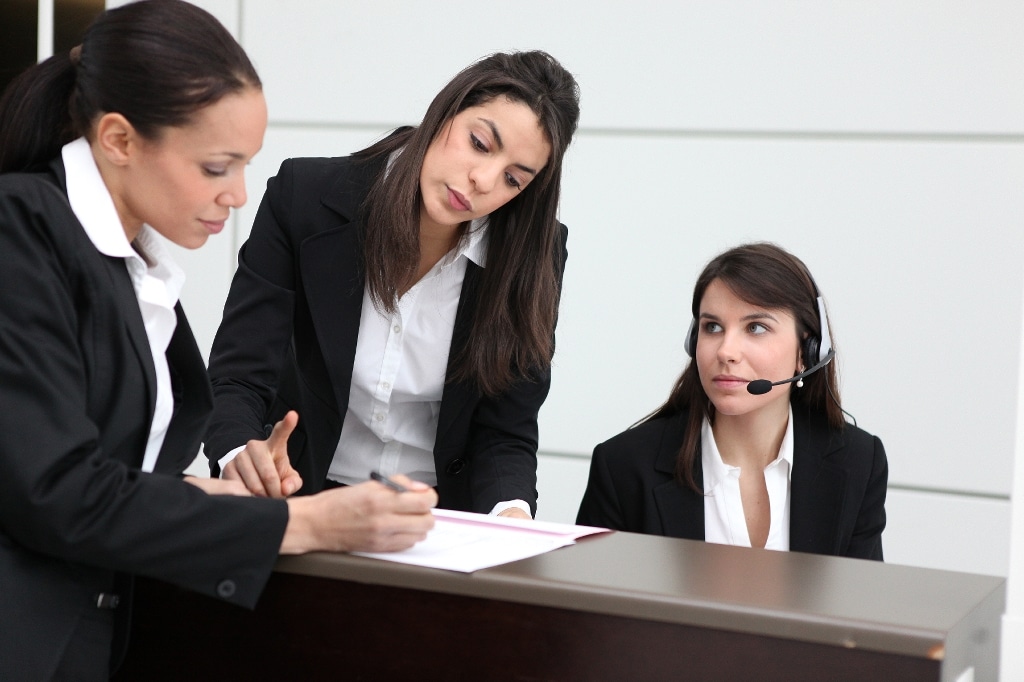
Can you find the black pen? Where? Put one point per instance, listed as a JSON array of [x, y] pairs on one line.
[[381, 478]]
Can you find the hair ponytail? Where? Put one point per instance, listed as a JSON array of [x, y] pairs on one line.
[[34, 118], [156, 62]]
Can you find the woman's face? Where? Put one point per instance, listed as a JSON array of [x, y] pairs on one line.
[[738, 342], [481, 159], [185, 183]]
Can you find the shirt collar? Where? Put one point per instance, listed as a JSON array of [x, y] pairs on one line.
[[92, 203], [94, 207], [475, 248], [715, 470]]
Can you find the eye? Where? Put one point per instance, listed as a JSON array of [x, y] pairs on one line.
[[477, 143], [513, 181], [712, 327], [757, 328], [215, 171]]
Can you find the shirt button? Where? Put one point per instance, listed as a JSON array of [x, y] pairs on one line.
[[385, 385], [396, 329], [379, 417], [226, 589]]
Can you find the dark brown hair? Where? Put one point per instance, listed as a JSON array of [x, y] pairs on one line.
[[156, 62], [513, 325], [767, 276]]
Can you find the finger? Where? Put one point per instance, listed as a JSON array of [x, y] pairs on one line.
[[290, 482], [515, 513], [409, 483], [415, 502], [232, 488], [247, 473], [266, 468], [230, 471], [278, 441]]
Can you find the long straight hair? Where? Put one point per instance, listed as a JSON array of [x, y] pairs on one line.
[[156, 62], [767, 276], [512, 332]]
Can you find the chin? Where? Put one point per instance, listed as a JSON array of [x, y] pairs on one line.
[[194, 243]]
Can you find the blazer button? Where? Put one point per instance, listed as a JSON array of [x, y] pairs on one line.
[[226, 589], [455, 467], [267, 430]]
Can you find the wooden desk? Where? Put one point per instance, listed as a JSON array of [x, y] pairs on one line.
[[613, 607]]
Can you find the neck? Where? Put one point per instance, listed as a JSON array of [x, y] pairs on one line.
[[112, 177], [751, 439]]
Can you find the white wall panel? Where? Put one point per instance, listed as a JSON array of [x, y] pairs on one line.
[[561, 481], [796, 65], [916, 247], [955, 533]]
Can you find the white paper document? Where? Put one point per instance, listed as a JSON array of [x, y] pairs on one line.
[[462, 541]]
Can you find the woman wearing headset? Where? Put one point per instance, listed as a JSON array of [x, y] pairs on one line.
[[752, 447]]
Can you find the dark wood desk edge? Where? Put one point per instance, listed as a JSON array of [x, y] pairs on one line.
[[493, 584]]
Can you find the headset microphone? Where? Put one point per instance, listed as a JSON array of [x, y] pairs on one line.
[[762, 386]]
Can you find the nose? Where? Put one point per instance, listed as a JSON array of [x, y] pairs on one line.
[[728, 350], [235, 195], [484, 176]]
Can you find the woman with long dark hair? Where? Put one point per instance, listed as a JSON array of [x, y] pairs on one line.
[[142, 130], [403, 300], [752, 447]]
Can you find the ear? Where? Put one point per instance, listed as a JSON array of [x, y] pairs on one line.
[[116, 138]]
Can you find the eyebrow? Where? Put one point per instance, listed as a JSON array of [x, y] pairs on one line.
[[745, 318], [501, 145]]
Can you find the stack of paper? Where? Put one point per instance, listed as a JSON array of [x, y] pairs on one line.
[[461, 541]]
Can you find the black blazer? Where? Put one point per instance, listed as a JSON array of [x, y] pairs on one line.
[[837, 493], [77, 394], [288, 341]]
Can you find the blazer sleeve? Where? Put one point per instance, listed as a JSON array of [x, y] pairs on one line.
[[866, 540], [504, 438], [256, 329], [61, 494]]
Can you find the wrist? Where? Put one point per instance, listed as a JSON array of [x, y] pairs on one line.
[[300, 533]]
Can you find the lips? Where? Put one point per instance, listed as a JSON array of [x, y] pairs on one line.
[[729, 381], [214, 226], [458, 202]]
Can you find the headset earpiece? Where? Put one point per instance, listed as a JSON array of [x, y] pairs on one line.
[[691, 340]]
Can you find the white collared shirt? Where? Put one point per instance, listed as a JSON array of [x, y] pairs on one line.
[[156, 278], [399, 373], [724, 520]]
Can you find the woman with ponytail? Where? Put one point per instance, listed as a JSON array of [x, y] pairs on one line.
[[141, 132]]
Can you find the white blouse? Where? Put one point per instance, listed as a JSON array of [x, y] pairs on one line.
[[724, 521], [155, 276]]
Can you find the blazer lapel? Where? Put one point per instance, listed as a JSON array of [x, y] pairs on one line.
[[128, 303], [332, 275], [681, 509], [817, 489]]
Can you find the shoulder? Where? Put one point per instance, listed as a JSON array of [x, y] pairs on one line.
[[311, 173], [33, 203], [341, 183], [644, 443], [31, 189], [849, 445]]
